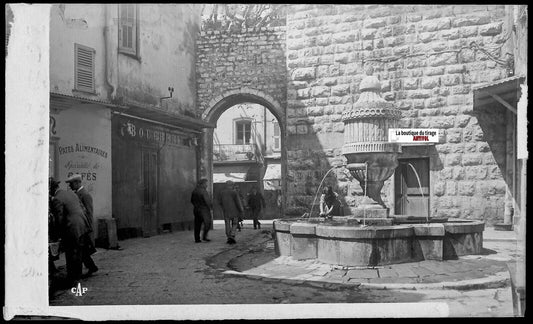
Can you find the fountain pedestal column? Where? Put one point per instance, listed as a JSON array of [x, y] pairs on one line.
[[366, 131]]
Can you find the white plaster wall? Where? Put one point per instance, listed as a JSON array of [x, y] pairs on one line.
[[86, 125], [166, 58], [82, 24]]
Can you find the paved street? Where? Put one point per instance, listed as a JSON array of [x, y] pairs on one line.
[[172, 269]]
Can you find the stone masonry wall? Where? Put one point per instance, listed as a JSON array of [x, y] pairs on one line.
[[428, 65], [250, 58]]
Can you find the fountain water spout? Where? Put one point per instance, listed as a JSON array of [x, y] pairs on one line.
[[419, 186], [318, 190], [363, 167]]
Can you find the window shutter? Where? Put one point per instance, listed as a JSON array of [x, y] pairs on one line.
[[128, 28], [276, 136], [84, 71]]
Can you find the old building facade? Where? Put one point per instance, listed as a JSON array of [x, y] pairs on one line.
[[154, 101], [430, 61], [123, 110]]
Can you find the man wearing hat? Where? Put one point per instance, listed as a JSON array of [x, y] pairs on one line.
[[74, 183], [231, 205], [202, 210], [73, 229], [86, 200]]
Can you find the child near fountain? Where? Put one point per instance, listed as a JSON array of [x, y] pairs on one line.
[[330, 204]]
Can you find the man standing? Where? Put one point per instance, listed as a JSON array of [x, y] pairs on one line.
[[256, 202], [73, 230], [232, 208], [86, 201], [74, 183], [202, 210], [240, 221]]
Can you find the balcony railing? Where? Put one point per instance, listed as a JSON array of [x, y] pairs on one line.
[[236, 152]]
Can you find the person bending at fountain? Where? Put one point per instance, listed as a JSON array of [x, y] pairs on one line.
[[330, 204]]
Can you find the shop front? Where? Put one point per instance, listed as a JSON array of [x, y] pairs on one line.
[[80, 143], [154, 172]]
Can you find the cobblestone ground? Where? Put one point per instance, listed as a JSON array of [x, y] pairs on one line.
[[172, 269]]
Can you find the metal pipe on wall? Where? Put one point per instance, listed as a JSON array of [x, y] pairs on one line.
[[111, 51]]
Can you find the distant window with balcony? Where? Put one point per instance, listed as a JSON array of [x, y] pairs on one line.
[[129, 29], [243, 131], [276, 138], [84, 68]]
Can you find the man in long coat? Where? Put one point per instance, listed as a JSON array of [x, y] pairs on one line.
[[202, 210], [232, 209], [85, 197], [86, 201], [256, 202], [73, 228]]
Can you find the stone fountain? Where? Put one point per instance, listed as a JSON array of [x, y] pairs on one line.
[[371, 159], [381, 239]]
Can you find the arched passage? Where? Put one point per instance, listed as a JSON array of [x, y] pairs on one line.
[[219, 105]]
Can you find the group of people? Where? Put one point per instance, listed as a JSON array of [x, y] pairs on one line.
[[232, 204], [70, 227]]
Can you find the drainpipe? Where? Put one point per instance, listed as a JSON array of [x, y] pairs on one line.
[[111, 80], [111, 50]]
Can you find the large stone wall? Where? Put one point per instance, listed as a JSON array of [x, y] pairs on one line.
[[428, 65], [231, 60]]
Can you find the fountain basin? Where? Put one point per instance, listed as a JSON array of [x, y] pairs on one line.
[[342, 241]]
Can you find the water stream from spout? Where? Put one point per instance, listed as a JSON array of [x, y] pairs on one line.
[[318, 190], [419, 186]]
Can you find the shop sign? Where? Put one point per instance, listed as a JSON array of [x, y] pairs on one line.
[[134, 130], [87, 168]]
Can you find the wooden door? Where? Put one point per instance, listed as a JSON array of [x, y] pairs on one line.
[[412, 197], [150, 192]]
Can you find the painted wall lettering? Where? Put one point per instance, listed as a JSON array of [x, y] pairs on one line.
[[143, 132]]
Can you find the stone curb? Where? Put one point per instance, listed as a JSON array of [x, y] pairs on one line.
[[498, 280]]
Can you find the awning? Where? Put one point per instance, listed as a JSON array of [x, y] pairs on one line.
[[273, 172], [59, 101], [505, 91], [233, 176], [162, 116]]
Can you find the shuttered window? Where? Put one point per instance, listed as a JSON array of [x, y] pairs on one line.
[[276, 137], [243, 132], [128, 28], [84, 68]]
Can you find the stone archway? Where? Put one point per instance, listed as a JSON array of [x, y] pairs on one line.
[[230, 98], [221, 103]]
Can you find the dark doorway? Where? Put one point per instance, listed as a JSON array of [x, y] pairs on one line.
[[150, 192], [412, 198]]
